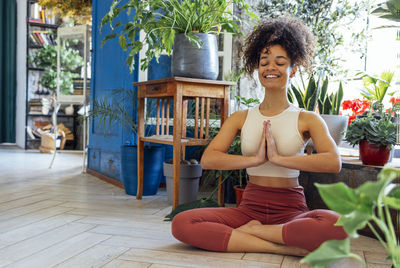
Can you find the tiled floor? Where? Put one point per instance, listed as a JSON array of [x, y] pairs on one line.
[[60, 217]]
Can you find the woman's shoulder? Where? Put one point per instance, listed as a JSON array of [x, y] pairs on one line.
[[238, 118], [310, 118]]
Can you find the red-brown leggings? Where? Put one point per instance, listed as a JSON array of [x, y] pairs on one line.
[[211, 228]]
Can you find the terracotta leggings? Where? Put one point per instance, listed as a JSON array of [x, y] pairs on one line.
[[210, 228]]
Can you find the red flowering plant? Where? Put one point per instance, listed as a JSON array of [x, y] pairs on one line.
[[356, 106], [395, 109]]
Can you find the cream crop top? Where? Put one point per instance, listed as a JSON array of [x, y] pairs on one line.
[[289, 142]]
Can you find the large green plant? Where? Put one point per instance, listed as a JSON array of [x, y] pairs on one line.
[[46, 58], [330, 104], [367, 205], [376, 128], [375, 88], [160, 20], [389, 10], [306, 99]]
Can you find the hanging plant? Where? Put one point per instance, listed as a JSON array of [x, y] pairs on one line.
[[78, 10]]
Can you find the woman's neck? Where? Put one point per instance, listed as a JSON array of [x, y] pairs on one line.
[[274, 102]]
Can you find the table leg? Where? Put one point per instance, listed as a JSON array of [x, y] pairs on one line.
[[177, 144], [176, 174], [140, 149], [140, 166]]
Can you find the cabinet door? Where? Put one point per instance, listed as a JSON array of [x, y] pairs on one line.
[[109, 72]]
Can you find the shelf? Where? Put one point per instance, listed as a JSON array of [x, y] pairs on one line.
[[38, 139], [168, 139], [49, 115], [35, 46], [43, 25], [35, 69]]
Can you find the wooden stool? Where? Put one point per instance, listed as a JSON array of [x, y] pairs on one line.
[[179, 90]]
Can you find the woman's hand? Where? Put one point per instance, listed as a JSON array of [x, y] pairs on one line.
[[261, 155], [272, 152]]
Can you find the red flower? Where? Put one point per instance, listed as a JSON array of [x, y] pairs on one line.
[[357, 107], [394, 100]]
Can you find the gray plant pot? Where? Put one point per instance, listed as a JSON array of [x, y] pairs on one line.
[[190, 61], [337, 124], [189, 182]]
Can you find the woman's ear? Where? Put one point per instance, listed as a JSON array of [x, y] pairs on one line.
[[294, 70]]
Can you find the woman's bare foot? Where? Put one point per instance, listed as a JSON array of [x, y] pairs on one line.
[[286, 250]]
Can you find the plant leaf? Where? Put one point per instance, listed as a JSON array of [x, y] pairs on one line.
[[393, 198], [110, 36], [338, 191], [354, 221], [329, 252]]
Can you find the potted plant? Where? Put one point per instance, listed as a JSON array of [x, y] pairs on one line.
[[375, 134], [190, 173], [186, 25], [114, 109], [46, 58], [367, 205], [329, 108]]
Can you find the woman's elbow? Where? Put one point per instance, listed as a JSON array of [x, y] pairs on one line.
[[204, 161], [337, 166]]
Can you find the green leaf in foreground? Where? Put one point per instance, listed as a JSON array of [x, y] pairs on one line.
[[330, 252], [354, 221], [338, 197]]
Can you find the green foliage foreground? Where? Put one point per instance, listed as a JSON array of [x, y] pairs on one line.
[[363, 206]]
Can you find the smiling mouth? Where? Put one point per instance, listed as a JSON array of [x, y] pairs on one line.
[[271, 76]]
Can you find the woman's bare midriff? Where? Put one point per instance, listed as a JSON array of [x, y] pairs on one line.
[[276, 182]]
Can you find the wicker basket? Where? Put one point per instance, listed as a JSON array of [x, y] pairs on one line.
[[47, 142]]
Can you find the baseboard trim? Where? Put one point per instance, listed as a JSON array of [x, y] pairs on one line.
[[105, 178]]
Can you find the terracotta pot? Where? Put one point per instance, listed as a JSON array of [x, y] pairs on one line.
[[238, 194], [372, 154]]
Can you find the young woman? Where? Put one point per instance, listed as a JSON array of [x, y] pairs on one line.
[[273, 216]]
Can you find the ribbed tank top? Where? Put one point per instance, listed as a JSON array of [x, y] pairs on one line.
[[289, 142]]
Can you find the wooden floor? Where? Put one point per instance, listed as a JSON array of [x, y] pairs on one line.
[[61, 218]]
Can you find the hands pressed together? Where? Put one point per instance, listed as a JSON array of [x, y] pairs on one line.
[[267, 150]]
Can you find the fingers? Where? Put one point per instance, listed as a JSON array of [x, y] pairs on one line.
[[267, 129]]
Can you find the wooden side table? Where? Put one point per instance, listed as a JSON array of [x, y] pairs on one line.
[[179, 90]]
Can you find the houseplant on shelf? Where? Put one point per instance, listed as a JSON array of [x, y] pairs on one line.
[[167, 23], [374, 133], [329, 108], [116, 109], [46, 58], [367, 205]]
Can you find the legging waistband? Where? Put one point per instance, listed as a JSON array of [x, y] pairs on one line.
[[262, 194]]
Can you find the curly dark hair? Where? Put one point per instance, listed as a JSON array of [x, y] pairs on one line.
[[292, 34]]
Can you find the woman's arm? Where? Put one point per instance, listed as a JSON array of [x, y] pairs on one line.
[[216, 156], [327, 158]]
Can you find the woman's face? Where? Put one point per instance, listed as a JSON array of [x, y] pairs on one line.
[[275, 67]]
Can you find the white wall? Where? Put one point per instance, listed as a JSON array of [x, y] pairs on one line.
[[21, 73]]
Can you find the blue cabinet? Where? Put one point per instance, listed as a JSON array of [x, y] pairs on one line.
[[109, 71]]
